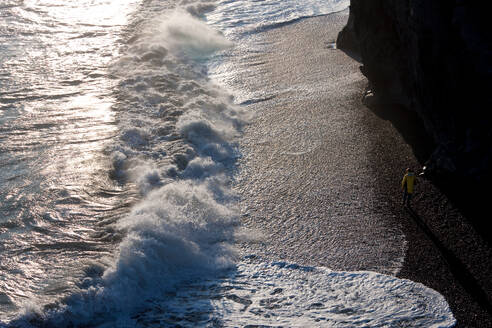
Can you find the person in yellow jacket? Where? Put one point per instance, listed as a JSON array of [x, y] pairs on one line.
[[407, 185]]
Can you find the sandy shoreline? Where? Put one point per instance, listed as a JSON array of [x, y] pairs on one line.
[[306, 170], [321, 172]]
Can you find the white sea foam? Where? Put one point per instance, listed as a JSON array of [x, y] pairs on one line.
[[169, 101], [185, 224], [286, 294], [184, 33], [289, 295]]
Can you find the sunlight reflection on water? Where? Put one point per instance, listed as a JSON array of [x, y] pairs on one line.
[[57, 117]]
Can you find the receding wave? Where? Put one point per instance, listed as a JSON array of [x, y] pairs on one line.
[[245, 17]]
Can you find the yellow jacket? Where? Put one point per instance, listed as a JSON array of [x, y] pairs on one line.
[[408, 181]]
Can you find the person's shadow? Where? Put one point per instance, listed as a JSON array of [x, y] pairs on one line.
[[457, 268]]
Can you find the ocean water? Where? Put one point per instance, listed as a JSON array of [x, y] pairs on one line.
[[119, 145]]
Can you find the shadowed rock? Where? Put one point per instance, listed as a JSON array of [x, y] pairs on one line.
[[434, 58]]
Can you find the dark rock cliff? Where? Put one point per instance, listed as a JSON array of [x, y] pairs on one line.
[[433, 57]]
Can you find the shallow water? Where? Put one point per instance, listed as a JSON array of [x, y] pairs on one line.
[[122, 137]]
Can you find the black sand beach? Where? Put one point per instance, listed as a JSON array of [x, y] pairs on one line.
[[320, 175]]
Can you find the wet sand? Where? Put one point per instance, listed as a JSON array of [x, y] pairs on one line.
[[319, 180]]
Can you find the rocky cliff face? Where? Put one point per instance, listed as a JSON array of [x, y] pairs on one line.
[[433, 57]]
